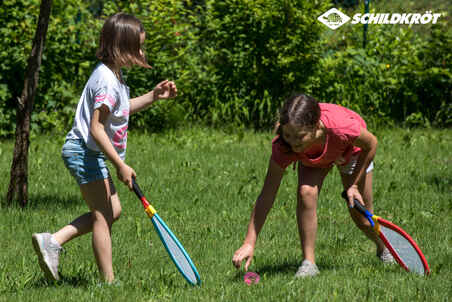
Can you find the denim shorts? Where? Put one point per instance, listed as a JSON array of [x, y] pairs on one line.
[[84, 164]]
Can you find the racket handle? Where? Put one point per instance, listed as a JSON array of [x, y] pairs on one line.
[[137, 189], [357, 205]]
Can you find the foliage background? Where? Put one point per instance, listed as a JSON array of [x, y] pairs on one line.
[[234, 62]]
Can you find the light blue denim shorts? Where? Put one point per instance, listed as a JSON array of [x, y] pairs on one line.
[[84, 164]]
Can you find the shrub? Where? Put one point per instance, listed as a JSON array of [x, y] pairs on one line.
[[234, 62], [258, 52], [67, 61], [399, 77]]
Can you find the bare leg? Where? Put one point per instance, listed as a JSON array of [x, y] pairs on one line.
[[365, 188], [309, 185], [80, 226], [105, 208], [84, 223]]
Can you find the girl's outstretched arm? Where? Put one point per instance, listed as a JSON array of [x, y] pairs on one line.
[[261, 208], [164, 90]]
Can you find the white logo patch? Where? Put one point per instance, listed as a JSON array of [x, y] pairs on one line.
[[334, 18]]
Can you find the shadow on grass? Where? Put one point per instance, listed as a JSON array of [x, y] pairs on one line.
[[442, 183], [73, 281], [288, 267], [51, 201], [77, 281]]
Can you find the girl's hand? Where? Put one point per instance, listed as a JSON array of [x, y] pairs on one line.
[[125, 174], [165, 90], [246, 251], [352, 194]]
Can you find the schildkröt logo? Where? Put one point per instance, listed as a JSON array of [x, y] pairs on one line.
[[335, 18]]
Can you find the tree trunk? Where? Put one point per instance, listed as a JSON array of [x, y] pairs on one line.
[[18, 185]]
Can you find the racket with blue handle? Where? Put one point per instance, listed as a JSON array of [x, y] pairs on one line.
[[401, 246], [169, 240]]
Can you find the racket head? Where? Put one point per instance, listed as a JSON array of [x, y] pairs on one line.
[[176, 251], [402, 247]]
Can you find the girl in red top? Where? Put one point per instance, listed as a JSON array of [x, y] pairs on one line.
[[317, 136]]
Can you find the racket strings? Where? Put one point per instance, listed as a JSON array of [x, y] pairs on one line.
[[406, 252], [177, 254]]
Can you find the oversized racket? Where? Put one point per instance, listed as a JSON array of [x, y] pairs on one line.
[[169, 240], [401, 246]]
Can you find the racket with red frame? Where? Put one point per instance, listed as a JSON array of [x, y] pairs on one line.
[[401, 246]]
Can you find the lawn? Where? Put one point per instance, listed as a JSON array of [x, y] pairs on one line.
[[203, 183]]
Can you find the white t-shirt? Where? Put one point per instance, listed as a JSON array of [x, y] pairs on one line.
[[103, 88]]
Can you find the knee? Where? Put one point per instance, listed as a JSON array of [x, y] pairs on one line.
[[307, 197], [102, 218], [106, 216], [117, 213]]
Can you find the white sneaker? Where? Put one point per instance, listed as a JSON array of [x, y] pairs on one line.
[[386, 257], [48, 252], [307, 269]]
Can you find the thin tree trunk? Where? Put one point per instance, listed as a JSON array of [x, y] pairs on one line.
[[18, 185]]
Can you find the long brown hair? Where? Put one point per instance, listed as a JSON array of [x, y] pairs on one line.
[[119, 43], [300, 110]]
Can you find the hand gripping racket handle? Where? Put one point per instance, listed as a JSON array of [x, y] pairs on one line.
[[137, 189], [357, 205]]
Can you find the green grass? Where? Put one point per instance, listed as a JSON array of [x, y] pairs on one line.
[[203, 183]]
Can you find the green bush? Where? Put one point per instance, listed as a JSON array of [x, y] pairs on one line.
[[17, 25], [234, 62], [258, 52], [399, 77], [435, 79], [66, 63]]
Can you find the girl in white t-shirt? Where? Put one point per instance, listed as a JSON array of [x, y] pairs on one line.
[[99, 132]]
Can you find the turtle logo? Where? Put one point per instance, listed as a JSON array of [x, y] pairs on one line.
[[334, 18]]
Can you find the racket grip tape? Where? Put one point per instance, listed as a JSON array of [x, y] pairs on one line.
[[137, 189], [357, 205]]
